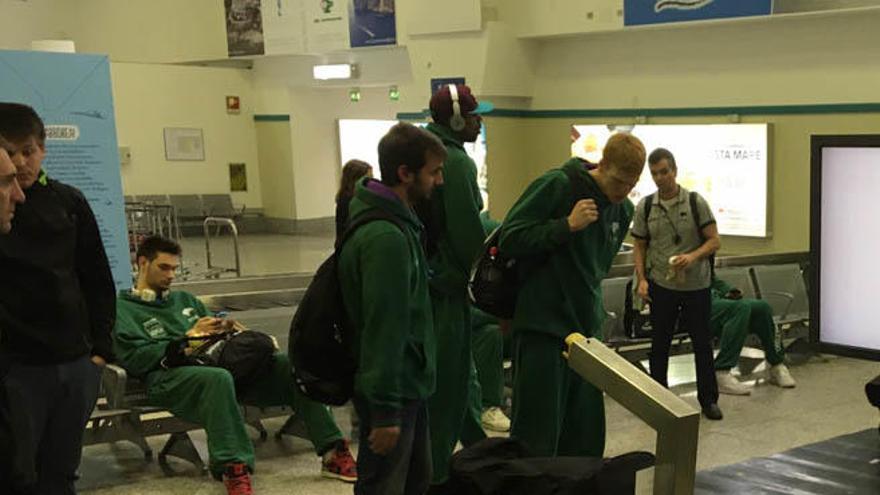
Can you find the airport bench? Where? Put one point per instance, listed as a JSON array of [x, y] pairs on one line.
[[124, 414]]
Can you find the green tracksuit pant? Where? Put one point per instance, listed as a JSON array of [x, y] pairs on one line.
[[206, 396], [472, 426], [555, 411], [488, 345], [449, 404], [732, 320]]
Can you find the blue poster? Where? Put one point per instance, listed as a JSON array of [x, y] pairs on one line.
[[371, 22], [73, 96], [639, 12]]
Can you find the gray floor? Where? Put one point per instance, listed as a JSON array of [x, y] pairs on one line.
[[260, 254], [829, 401]]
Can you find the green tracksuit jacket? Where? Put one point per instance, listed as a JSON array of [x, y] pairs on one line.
[[554, 410], [384, 278], [460, 201]]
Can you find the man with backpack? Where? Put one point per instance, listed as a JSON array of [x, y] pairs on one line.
[[383, 273], [56, 310], [675, 240], [156, 340], [455, 238], [565, 231]]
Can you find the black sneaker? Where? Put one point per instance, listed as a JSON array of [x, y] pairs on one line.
[[713, 412]]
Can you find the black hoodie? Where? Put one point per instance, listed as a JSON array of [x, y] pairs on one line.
[[57, 296]]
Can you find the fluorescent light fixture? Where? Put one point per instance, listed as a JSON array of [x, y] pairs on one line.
[[333, 71]]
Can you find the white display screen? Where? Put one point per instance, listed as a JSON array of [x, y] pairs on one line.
[[850, 240], [725, 163], [359, 139]]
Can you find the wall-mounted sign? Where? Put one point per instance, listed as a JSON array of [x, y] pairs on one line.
[[184, 144], [639, 12], [237, 177], [81, 148], [244, 28], [233, 104]]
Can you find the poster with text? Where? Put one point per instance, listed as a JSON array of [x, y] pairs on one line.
[[372, 23], [284, 30], [640, 12], [326, 26], [73, 96], [244, 28], [726, 163]]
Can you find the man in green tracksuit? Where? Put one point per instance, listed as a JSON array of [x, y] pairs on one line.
[[151, 321], [455, 237], [567, 244], [732, 318], [383, 274]]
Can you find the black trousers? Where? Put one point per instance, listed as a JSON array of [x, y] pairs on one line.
[[692, 308], [57, 401]]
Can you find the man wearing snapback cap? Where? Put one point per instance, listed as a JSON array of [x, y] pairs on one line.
[[455, 237]]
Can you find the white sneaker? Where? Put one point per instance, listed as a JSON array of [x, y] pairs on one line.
[[494, 419], [781, 377], [728, 384]]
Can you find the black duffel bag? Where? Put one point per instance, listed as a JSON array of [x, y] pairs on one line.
[[246, 354], [502, 466]]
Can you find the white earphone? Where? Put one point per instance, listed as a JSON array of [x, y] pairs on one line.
[[456, 121]]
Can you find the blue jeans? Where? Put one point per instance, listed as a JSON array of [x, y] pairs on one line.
[[404, 471]]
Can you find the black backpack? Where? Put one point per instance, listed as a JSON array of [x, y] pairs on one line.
[[247, 355], [495, 278], [321, 344]]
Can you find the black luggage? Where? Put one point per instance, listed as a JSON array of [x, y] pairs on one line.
[[497, 466]]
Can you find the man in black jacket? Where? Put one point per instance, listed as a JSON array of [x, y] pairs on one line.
[[12, 476], [57, 308]]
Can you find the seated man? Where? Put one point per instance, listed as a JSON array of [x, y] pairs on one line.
[[732, 318], [151, 321]]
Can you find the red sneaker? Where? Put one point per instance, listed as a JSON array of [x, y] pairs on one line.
[[237, 479], [339, 463]]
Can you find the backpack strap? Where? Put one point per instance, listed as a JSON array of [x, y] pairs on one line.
[[649, 203], [695, 213], [579, 188], [370, 216]]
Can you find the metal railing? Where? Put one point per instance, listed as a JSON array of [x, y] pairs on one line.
[[216, 271], [676, 422]]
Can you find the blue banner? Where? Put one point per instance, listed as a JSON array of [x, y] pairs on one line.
[[640, 12], [371, 22], [73, 95]]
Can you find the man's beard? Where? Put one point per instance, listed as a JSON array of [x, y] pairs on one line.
[[416, 194]]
